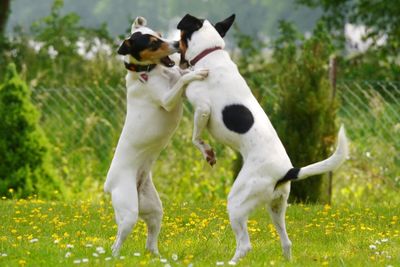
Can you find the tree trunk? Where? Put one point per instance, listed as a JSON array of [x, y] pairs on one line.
[[4, 12]]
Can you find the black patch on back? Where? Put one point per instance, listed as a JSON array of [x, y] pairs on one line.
[[292, 174], [237, 118]]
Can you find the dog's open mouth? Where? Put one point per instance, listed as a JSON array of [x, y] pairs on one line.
[[167, 62]]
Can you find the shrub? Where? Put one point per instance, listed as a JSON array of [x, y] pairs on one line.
[[306, 112], [25, 165]]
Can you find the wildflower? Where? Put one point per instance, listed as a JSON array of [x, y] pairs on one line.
[[34, 240], [85, 260], [100, 250], [108, 258], [163, 260], [95, 254], [122, 257], [220, 263], [232, 263], [384, 240], [56, 241], [70, 246], [88, 245], [372, 246], [68, 254], [4, 255], [136, 254], [21, 262], [174, 257]]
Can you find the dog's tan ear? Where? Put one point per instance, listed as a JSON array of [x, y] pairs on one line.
[[139, 22]]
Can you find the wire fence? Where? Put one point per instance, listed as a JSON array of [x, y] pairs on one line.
[[86, 122]]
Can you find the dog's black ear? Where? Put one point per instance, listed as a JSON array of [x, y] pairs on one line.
[[124, 48], [190, 23], [222, 27]]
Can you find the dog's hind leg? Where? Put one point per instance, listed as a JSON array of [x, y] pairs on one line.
[[241, 202], [151, 211], [125, 203], [201, 117], [277, 211]]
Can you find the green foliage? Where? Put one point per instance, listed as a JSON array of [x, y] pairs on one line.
[[306, 112], [59, 50], [25, 165], [381, 19]]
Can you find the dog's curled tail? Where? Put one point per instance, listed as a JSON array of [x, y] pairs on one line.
[[329, 164]]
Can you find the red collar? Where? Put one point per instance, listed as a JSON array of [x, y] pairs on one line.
[[203, 54]]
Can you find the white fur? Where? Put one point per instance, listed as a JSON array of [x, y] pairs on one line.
[[154, 109], [265, 158]]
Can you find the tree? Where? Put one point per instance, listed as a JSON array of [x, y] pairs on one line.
[[25, 164], [305, 119], [4, 13], [382, 22]]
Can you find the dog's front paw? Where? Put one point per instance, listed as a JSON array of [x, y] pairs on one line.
[[201, 73], [210, 157]]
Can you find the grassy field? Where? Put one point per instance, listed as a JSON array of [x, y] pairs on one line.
[[45, 233]]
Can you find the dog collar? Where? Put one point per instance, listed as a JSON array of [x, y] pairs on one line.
[[144, 69], [139, 68], [203, 54]]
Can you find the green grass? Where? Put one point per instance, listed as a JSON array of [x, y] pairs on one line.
[[198, 234]]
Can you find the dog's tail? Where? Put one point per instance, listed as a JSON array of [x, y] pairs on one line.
[[329, 164]]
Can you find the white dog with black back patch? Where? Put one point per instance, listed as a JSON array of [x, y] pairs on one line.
[[225, 105], [154, 109]]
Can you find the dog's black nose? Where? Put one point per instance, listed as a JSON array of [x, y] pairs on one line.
[[176, 44]]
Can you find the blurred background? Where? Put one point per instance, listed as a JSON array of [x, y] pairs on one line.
[[312, 64]]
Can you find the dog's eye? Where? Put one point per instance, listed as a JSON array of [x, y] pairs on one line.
[[154, 45]]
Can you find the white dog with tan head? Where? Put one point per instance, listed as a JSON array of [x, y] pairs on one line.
[[154, 109]]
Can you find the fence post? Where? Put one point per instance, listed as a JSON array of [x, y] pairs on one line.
[[332, 80]]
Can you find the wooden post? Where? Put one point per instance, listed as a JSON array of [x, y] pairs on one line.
[[332, 79]]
